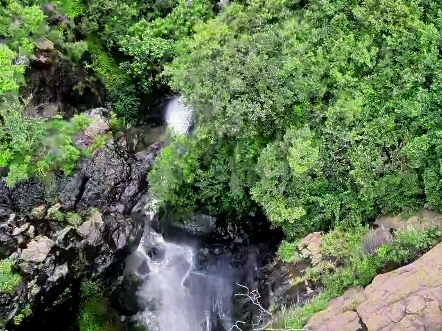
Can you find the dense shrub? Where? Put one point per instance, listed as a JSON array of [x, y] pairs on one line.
[[8, 279], [323, 113], [94, 310]]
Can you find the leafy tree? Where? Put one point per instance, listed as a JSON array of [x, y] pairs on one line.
[[132, 41], [339, 99]]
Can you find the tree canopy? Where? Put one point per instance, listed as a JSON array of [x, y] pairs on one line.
[[320, 112]]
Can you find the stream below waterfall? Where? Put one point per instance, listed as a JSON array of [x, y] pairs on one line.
[[195, 283]]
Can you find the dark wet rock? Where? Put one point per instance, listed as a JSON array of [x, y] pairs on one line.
[[136, 265], [27, 195], [78, 227], [57, 85], [124, 298], [59, 272], [199, 224], [8, 241], [61, 255], [113, 175]]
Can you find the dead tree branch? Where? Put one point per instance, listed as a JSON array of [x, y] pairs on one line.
[[254, 297]]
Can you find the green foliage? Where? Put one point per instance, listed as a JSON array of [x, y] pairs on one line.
[[99, 141], [132, 40], [11, 74], [74, 219], [94, 311], [8, 280], [343, 244], [71, 8], [410, 244], [214, 177], [126, 103], [341, 97], [23, 312], [21, 25], [76, 49], [296, 319], [286, 251], [31, 146]]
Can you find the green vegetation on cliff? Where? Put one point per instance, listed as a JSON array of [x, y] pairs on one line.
[[323, 113], [8, 279], [94, 310], [357, 265]]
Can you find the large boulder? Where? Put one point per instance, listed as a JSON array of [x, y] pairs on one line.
[[37, 250], [112, 176], [340, 313], [406, 299]]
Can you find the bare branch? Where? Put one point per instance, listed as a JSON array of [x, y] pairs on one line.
[[254, 297]]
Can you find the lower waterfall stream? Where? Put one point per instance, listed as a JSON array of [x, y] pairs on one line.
[[176, 295]]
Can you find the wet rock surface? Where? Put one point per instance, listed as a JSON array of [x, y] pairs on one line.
[[55, 84], [113, 175], [54, 259]]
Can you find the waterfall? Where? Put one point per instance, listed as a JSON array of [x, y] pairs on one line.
[[176, 292], [178, 116]]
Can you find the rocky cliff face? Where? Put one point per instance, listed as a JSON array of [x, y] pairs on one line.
[[406, 299], [53, 235]]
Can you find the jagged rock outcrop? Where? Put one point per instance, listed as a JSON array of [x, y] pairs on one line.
[[406, 299], [112, 177], [55, 254], [81, 226]]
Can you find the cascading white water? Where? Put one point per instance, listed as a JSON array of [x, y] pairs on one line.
[[178, 116], [176, 296]]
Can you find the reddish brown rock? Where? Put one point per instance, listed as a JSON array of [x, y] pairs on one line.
[[407, 299], [340, 314]]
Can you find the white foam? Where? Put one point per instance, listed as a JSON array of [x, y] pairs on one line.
[[178, 116]]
